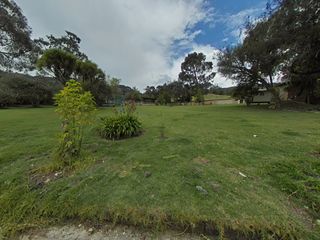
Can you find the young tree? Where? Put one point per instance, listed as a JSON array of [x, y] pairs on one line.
[[196, 73], [75, 108], [15, 40]]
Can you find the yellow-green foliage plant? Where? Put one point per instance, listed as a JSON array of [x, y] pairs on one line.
[[76, 109]]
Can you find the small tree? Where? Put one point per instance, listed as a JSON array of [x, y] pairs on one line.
[[75, 108]]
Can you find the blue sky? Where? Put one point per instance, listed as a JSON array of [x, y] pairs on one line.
[[143, 42], [229, 16]]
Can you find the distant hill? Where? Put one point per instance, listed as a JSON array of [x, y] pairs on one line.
[[49, 80]]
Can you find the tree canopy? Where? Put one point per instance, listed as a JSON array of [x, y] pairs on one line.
[[58, 63], [196, 72], [69, 43], [284, 42], [15, 40]]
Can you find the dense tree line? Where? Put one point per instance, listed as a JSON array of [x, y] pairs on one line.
[[284, 42], [21, 89], [195, 80]]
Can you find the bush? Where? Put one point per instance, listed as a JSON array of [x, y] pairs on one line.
[[199, 97], [123, 124], [120, 126], [20, 89]]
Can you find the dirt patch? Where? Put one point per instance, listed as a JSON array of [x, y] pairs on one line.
[[303, 214], [107, 233], [316, 154], [201, 160], [40, 179]]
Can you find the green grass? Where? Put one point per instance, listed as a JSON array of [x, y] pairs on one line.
[[216, 97], [182, 147]]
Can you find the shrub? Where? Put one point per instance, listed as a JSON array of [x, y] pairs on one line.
[[199, 97], [75, 108], [122, 125]]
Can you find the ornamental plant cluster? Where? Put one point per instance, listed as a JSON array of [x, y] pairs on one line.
[[123, 124]]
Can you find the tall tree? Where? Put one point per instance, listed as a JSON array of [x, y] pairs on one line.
[[69, 43], [296, 23], [254, 63], [196, 72], [15, 41]]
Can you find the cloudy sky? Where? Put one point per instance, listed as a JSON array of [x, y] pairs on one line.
[[143, 42]]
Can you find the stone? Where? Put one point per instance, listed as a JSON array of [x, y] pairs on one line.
[[147, 174], [202, 190]]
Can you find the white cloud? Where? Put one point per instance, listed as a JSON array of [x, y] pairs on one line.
[[235, 22], [129, 39]]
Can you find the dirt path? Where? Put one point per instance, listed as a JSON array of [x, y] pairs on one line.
[[107, 233]]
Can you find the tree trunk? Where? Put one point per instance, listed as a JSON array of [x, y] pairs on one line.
[[276, 97]]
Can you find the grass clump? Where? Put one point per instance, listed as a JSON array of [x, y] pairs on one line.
[[123, 124], [301, 181]]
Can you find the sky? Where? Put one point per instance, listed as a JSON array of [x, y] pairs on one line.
[[144, 42]]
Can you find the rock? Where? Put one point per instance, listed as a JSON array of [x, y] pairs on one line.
[[318, 222], [147, 174], [242, 175], [202, 190], [90, 230]]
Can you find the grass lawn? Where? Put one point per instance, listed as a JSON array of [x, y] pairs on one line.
[[194, 166], [216, 97]]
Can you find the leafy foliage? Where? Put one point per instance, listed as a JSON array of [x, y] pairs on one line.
[[122, 125], [19, 89], [199, 97], [58, 62], [15, 40], [69, 43], [196, 72], [64, 65], [134, 95], [93, 79], [75, 108], [285, 42]]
